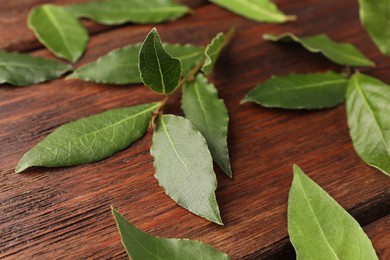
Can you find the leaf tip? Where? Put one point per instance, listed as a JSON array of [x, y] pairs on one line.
[[291, 18]]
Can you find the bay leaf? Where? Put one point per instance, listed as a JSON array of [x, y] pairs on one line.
[[256, 10], [300, 91], [114, 12], [22, 70], [91, 138], [120, 66], [368, 110], [214, 49], [184, 166], [340, 53], [209, 115], [141, 245], [320, 228], [159, 70], [375, 15], [59, 31]]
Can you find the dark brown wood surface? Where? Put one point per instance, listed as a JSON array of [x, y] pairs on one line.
[[64, 213]]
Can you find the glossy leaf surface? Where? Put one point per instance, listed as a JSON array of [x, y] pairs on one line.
[[300, 91], [320, 228], [209, 115], [90, 139], [111, 12], [184, 166], [159, 70], [368, 110], [22, 70], [256, 10], [340, 53], [59, 31], [121, 65], [141, 245], [374, 15]]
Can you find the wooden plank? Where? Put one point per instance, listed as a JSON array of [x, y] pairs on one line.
[[13, 23], [64, 213], [380, 236]]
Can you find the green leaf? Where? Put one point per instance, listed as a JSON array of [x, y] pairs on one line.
[[22, 70], [209, 115], [214, 49], [375, 16], [300, 91], [340, 53], [320, 228], [141, 245], [159, 70], [256, 10], [368, 110], [59, 31], [135, 11], [91, 138], [121, 65], [184, 167]]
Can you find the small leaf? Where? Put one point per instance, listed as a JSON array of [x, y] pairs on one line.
[[300, 91], [374, 15], [121, 65], [59, 31], [340, 53], [141, 245], [122, 11], [368, 113], [91, 138], [256, 10], [159, 71], [214, 49], [22, 70], [184, 167], [209, 115], [320, 228]]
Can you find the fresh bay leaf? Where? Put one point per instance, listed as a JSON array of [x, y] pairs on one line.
[[59, 31], [184, 166], [141, 245], [214, 49], [136, 11], [91, 138], [120, 66], [368, 110], [22, 70], [300, 91], [340, 53], [375, 15], [256, 10], [209, 115], [320, 228], [159, 70]]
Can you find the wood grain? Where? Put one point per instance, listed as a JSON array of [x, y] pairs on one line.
[[64, 213]]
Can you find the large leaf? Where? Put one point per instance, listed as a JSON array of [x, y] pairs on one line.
[[214, 49], [320, 228], [112, 12], [22, 70], [257, 10], [209, 115], [141, 245], [91, 138], [300, 91], [375, 16], [340, 53], [59, 31], [121, 65], [184, 167], [159, 70], [368, 110]]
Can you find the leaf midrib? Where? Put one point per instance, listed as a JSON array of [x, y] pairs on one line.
[[159, 65], [264, 11]]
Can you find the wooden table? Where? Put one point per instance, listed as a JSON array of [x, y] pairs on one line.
[[64, 213]]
